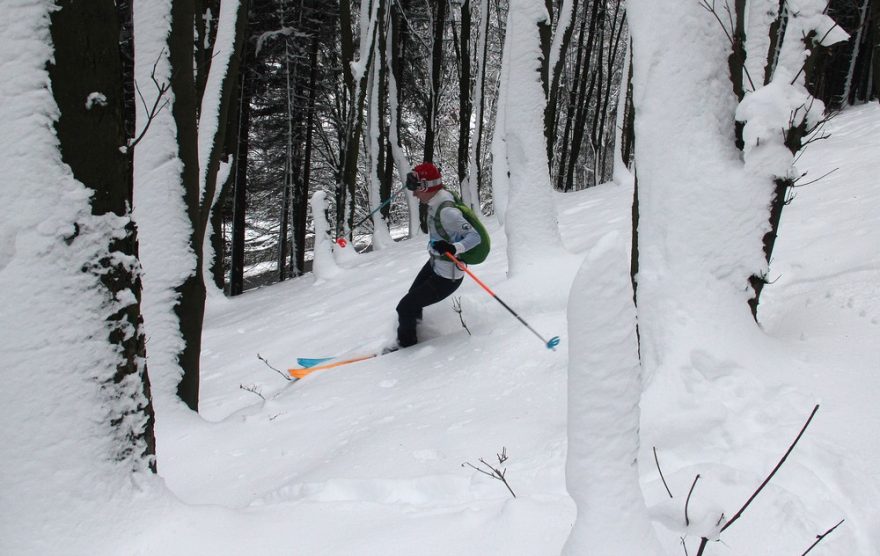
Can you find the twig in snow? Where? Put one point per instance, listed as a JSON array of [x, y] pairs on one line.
[[687, 520], [496, 473], [252, 389], [286, 376], [684, 545], [754, 495], [822, 536], [657, 461], [456, 306]]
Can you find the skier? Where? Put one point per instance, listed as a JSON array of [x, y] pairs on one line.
[[440, 276]]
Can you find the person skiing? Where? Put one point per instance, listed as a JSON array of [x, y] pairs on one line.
[[439, 277]]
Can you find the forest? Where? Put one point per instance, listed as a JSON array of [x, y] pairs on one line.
[[174, 160]]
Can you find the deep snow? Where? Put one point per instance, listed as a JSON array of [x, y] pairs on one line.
[[367, 459]]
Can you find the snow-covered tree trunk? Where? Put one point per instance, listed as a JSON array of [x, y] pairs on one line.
[[604, 389], [176, 169], [621, 173], [355, 73], [324, 265], [213, 119], [500, 166], [555, 63], [381, 233], [159, 208], [776, 116], [530, 216], [470, 188], [400, 160], [75, 397], [723, 237]]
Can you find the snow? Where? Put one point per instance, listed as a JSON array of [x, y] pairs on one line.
[[368, 458]]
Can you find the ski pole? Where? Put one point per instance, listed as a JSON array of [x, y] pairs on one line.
[[551, 344], [341, 241]]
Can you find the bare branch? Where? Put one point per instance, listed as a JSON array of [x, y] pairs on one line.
[[286, 376], [657, 461], [823, 176], [160, 103], [822, 536], [496, 472], [754, 495], [252, 389], [456, 306], [687, 520]]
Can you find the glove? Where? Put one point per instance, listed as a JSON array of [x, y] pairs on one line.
[[442, 247]]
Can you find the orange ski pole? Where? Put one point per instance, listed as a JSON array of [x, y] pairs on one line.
[[549, 344]]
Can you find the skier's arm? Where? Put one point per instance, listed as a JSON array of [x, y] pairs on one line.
[[464, 236]]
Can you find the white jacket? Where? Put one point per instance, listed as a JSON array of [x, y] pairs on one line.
[[462, 234]]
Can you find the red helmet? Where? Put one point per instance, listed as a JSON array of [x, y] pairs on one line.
[[425, 175]]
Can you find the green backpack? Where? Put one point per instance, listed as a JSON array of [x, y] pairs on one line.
[[472, 256]]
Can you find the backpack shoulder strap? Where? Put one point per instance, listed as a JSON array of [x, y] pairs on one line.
[[438, 222]]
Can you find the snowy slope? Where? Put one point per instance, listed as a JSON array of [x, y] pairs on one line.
[[367, 459]]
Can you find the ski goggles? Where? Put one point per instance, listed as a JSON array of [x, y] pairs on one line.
[[416, 183]]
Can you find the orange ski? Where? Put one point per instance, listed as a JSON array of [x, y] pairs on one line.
[[300, 373]]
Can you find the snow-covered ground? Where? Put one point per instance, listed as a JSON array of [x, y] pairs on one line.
[[367, 459]]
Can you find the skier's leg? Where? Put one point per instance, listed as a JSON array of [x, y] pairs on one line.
[[430, 290]]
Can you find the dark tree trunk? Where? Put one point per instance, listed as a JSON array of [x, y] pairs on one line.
[[191, 307], [628, 134], [227, 134], [465, 101], [239, 177], [431, 121], [356, 92], [579, 72], [93, 52], [478, 131], [381, 163], [874, 50], [550, 113], [307, 155]]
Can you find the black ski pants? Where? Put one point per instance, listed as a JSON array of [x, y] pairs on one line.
[[426, 289]]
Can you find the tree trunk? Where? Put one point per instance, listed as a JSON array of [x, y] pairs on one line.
[[580, 67], [224, 140], [439, 12], [307, 155], [239, 176], [356, 91], [475, 168], [87, 58], [875, 49], [191, 307], [465, 107], [550, 115]]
